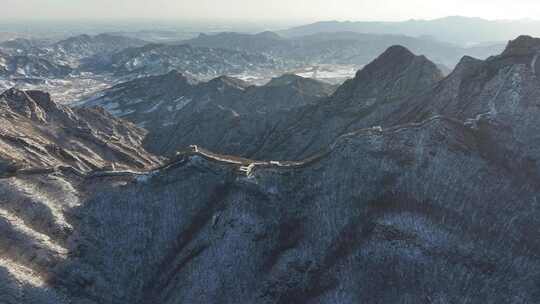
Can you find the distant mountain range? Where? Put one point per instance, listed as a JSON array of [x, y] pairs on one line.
[[341, 47], [129, 57], [457, 30], [201, 62], [228, 53]]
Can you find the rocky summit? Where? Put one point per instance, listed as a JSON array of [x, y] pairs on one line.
[[399, 186]]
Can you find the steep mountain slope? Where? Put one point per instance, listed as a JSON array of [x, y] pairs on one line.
[[406, 208], [363, 102], [37, 132], [46, 151], [289, 236], [179, 112], [485, 87]]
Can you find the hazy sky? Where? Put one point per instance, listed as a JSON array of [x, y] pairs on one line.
[[268, 10]]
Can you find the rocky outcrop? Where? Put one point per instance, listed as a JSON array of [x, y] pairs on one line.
[[37, 132], [396, 74]]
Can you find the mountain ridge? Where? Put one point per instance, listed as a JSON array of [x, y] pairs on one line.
[[450, 29]]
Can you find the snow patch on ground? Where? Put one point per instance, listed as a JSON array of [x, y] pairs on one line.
[[155, 107], [181, 102], [111, 106], [144, 178], [121, 113], [169, 123]]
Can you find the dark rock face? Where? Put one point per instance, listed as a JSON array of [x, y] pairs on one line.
[[522, 46], [437, 205], [145, 99], [394, 75]]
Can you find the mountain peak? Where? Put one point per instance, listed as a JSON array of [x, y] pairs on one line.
[[229, 82], [522, 46], [466, 64], [31, 104], [269, 35], [397, 51], [395, 74], [284, 79], [390, 61]]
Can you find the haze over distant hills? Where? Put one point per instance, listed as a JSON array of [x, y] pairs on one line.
[[342, 47], [456, 29], [77, 66]]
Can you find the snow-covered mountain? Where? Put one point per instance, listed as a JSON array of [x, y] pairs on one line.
[[30, 66], [200, 62]]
